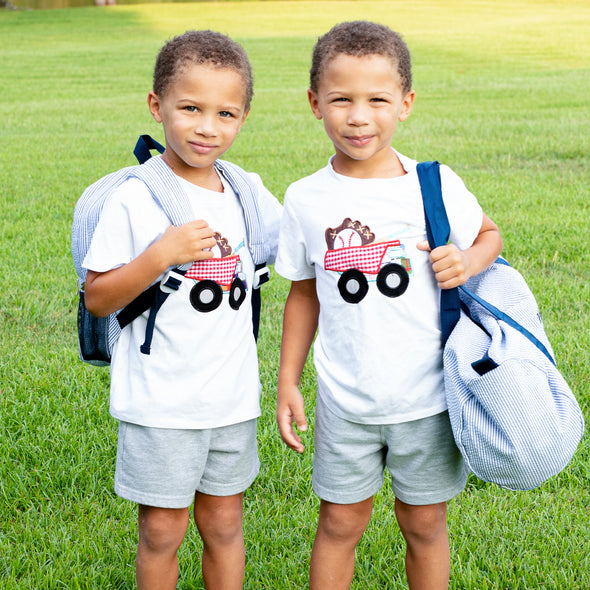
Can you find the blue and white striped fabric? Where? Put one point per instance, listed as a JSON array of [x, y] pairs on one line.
[[166, 190], [247, 193], [518, 423], [87, 213]]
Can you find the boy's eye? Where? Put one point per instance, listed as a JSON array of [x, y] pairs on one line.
[[340, 99], [225, 114], [191, 108]]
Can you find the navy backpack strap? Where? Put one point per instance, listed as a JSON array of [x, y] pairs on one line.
[[140, 304], [168, 193], [144, 146], [438, 231]]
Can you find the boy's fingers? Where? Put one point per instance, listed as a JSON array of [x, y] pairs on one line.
[[290, 437], [424, 246], [300, 421], [199, 223], [294, 442]]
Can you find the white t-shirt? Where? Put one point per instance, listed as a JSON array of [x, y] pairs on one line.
[[203, 368], [379, 361]]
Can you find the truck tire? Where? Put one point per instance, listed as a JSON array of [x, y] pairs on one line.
[[353, 285], [206, 296], [237, 293], [393, 280]]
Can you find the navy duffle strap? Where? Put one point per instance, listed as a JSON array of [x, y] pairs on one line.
[[500, 315], [438, 231]]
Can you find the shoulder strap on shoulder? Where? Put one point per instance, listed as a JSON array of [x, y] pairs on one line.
[[165, 189], [438, 231], [87, 213], [168, 193], [247, 193], [437, 222]]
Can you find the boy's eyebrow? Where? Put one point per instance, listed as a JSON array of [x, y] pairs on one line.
[[196, 101], [373, 92]]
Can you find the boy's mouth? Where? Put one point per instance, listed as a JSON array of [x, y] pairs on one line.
[[202, 148], [359, 140]]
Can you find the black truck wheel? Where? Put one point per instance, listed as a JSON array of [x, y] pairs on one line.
[[393, 280], [206, 296], [353, 285]]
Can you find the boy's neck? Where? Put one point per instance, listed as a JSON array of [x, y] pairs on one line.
[[206, 177], [387, 165]]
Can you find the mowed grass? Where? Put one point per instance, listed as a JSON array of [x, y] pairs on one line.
[[502, 97]]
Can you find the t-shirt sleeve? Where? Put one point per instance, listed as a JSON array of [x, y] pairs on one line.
[[293, 262], [129, 223], [464, 212]]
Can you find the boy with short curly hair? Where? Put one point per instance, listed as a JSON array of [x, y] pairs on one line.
[[353, 243], [188, 410]]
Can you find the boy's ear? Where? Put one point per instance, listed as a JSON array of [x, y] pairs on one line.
[[154, 106], [407, 104], [314, 103], [244, 118]]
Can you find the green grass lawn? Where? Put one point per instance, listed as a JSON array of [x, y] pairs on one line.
[[502, 96]]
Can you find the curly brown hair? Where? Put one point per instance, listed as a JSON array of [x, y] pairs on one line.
[[360, 38], [201, 48]]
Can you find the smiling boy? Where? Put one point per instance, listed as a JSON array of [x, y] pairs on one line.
[[353, 243]]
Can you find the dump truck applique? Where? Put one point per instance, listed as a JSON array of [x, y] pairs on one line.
[[383, 262], [214, 277]]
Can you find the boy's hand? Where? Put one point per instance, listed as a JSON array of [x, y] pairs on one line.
[[450, 265], [106, 292], [187, 243], [291, 408]]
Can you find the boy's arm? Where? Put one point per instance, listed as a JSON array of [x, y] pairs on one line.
[[453, 267], [300, 323], [107, 292]]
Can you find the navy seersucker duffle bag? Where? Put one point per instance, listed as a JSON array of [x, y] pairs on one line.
[[514, 417]]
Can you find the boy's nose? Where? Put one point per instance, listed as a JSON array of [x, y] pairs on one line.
[[206, 126], [357, 115]]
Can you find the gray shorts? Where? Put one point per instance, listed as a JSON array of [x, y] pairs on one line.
[[164, 467], [426, 466]]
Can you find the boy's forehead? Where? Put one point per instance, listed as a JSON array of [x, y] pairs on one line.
[[205, 69], [345, 67], [210, 73], [207, 80]]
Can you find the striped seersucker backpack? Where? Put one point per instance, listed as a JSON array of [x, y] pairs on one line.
[[96, 336]]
